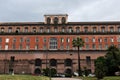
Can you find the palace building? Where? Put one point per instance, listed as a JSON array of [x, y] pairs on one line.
[[30, 47]]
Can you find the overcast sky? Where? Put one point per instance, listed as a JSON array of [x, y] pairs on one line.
[[78, 10]]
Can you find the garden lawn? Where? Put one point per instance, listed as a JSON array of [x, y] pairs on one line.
[[105, 78], [22, 77]]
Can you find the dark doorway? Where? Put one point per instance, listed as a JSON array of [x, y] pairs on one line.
[[37, 71]]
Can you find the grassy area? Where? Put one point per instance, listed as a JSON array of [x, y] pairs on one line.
[[22, 77], [105, 78]]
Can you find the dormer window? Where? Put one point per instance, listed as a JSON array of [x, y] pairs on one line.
[[48, 20], [55, 20], [63, 20]]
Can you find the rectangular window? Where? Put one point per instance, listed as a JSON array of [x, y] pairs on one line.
[[14, 39], [68, 40], [88, 60], [0, 47], [21, 40], [44, 40], [94, 46], [0, 40], [99, 40], [61, 47], [53, 43], [118, 39], [93, 39], [6, 47], [44, 47], [100, 46], [28, 40], [106, 46], [13, 47], [36, 47], [62, 40], [111, 40], [105, 40], [36, 39], [27, 47], [7, 40], [86, 39], [67, 47], [21, 47], [87, 46]]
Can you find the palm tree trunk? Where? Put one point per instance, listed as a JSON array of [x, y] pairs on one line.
[[79, 69]]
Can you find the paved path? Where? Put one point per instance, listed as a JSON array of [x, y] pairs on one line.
[[65, 79]]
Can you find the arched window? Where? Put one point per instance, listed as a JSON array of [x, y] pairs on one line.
[[34, 29], [63, 20], [55, 20], [41, 29], [53, 62], [102, 29], [38, 62], [68, 71], [111, 29], [26, 29], [77, 29], [2, 29], [55, 29], [94, 29], [37, 71], [85, 29], [48, 20], [63, 29], [119, 29], [70, 29], [68, 62], [17, 30], [10, 29]]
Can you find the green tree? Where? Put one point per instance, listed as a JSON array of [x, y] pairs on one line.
[[78, 42], [113, 60], [100, 67]]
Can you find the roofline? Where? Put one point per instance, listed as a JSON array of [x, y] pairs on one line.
[[69, 23], [56, 15]]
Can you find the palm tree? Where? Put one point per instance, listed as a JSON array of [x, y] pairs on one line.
[[78, 42]]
